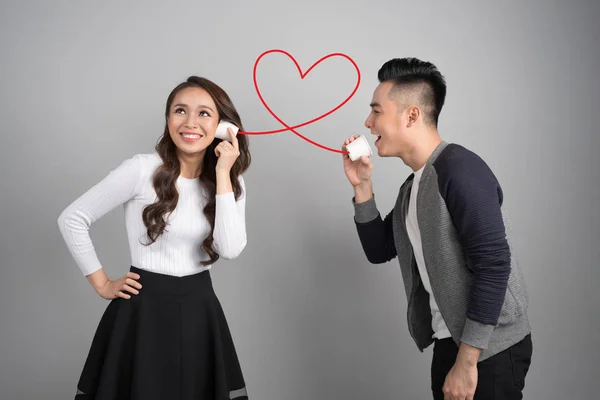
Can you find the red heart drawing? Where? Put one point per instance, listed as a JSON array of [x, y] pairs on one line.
[[302, 76]]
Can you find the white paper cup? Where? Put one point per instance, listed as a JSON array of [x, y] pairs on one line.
[[222, 132], [358, 148]]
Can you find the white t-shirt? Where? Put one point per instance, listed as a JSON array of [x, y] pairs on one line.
[[177, 251], [439, 326]]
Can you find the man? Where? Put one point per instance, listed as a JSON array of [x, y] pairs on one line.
[[465, 290]]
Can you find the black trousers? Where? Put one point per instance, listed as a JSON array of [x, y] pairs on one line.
[[500, 377]]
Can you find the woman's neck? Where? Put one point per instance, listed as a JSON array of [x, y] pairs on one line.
[[190, 164]]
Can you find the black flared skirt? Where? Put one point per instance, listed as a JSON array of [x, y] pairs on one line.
[[171, 341]]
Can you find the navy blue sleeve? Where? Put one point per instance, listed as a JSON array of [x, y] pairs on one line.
[[377, 239], [474, 199]]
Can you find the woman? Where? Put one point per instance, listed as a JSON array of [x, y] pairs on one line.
[[164, 334]]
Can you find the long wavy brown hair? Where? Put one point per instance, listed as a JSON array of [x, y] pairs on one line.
[[165, 177]]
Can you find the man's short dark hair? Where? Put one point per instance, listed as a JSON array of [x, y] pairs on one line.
[[412, 76]]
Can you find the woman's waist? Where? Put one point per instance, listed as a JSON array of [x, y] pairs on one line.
[[169, 279]]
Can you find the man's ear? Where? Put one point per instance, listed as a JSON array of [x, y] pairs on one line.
[[414, 114]]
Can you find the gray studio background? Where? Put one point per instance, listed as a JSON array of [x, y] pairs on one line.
[[83, 86]]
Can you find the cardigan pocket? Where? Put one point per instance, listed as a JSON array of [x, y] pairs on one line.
[[509, 309]]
